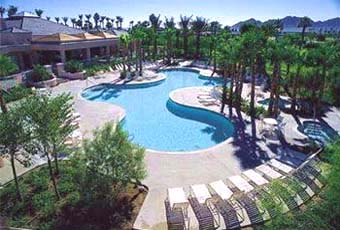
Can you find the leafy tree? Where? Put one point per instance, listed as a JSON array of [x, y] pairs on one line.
[[7, 66], [51, 120], [111, 156], [12, 137]]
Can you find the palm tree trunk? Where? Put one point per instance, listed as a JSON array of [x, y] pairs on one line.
[[224, 89], [277, 96], [56, 163], [252, 93], [52, 176], [273, 88], [185, 44], [15, 176], [140, 60], [322, 81], [294, 93], [232, 79], [197, 46], [2, 102], [154, 46]]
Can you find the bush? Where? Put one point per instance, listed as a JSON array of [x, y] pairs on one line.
[[74, 66], [17, 93], [40, 73], [7, 66]]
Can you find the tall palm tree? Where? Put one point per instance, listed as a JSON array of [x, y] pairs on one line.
[[65, 19], [155, 23], [119, 22], [88, 22], [102, 19], [125, 40], [57, 19], [199, 26], [12, 10], [48, 18], [131, 24], [96, 18], [170, 32], [39, 12], [214, 28], [2, 11], [304, 23], [74, 21], [80, 21], [184, 24]]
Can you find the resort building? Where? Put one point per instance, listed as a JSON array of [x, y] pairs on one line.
[[30, 39]]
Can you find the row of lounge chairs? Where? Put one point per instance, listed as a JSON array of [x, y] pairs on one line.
[[238, 199], [206, 97]]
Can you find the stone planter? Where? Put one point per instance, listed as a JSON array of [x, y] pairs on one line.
[[2, 162], [74, 76], [43, 84], [11, 81]]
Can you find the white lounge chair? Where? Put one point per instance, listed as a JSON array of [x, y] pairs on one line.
[[255, 177], [241, 183], [281, 166], [268, 171]]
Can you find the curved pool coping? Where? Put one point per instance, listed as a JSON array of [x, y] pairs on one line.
[[201, 72], [156, 82]]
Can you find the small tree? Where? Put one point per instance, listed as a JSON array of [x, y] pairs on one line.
[[11, 138], [7, 66], [51, 120], [112, 156]]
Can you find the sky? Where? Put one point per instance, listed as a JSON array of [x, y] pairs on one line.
[[227, 12]]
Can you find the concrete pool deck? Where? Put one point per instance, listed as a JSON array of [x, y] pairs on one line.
[[166, 170]]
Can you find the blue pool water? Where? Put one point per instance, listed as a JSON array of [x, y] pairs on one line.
[[155, 122]]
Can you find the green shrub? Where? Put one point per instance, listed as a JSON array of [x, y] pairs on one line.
[[7, 66], [44, 203], [74, 66], [16, 93], [40, 73]]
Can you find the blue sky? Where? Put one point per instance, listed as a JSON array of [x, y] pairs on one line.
[[228, 12]]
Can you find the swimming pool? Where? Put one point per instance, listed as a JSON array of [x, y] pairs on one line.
[[155, 122], [318, 131]]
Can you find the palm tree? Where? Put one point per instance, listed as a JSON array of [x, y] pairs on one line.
[[73, 21], [119, 22], [102, 19], [170, 32], [87, 22], [184, 24], [199, 26], [48, 18], [131, 24], [57, 19], [12, 10], [65, 19], [2, 11], [125, 40], [304, 23], [96, 18], [215, 28], [155, 23], [39, 12]]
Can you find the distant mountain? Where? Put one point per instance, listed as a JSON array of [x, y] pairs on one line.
[[252, 21], [292, 22]]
